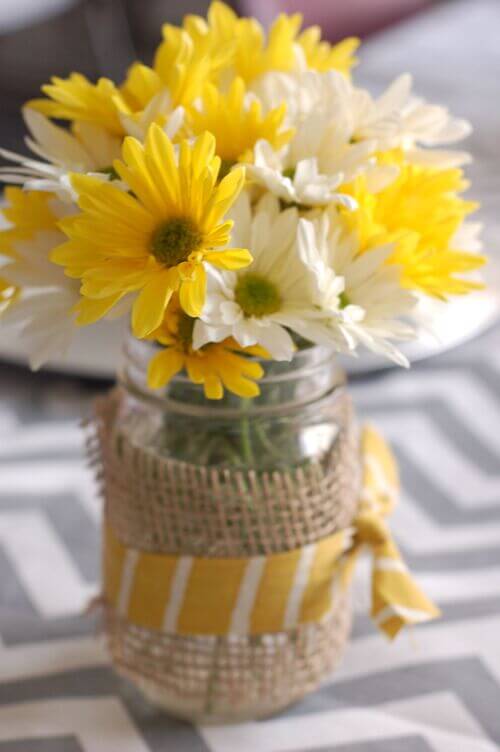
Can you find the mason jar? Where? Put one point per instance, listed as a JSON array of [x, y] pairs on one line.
[[233, 478]]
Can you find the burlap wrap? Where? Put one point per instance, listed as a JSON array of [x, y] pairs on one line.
[[162, 505]]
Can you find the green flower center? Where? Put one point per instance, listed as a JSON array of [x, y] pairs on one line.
[[225, 168], [289, 173], [344, 300], [256, 295], [110, 170], [174, 240]]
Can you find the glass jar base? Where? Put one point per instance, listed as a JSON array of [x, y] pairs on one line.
[[183, 710]]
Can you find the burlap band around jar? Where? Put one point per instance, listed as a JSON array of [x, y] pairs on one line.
[[162, 505]]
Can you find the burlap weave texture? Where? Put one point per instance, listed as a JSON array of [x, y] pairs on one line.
[[162, 505]]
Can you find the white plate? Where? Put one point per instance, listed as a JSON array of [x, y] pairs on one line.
[[17, 14], [95, 351]]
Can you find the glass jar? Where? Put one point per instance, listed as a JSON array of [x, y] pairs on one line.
[[188, 476]]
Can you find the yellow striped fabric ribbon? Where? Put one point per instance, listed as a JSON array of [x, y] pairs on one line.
[[240, 596]]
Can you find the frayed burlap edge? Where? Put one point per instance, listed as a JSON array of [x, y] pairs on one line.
[[162, 505]]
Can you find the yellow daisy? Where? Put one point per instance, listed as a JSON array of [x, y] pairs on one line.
[[420, 212], [216, 365], [26, 212], [434, 270], [226, 42], [184, 64], [237, 124], [155, 239], [105, 105], [322, 56], [215, 33], [250, 52], [141, 85], [145, 99], [76, 98], [256, 55]]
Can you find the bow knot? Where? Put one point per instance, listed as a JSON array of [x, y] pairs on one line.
[[371, 529], [396, 598]]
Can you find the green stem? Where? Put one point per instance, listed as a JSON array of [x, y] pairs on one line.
[[267, 443], [246, 437]]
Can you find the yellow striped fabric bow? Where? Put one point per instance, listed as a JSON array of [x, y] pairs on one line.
[[200, 596], [396, 598]]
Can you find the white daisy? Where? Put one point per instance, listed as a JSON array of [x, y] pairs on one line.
[[294, 178], [328, 148], [420, 123], [368, 308], [358, 125], [86, 149], [257, 304], [43, 320]]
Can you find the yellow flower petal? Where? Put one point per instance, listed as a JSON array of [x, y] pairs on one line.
[[162, 165], [246, 366], [231, 258], [220, 235], [237, 124], [225, 195], [203, 152], [213, 387], [111, 202], [28, 211], [89, 311], [103, 288], [192, 292], [135, 172], [76, 98], [141, 85], [150, 305], [196, 367], [322, 56], [164, 366], [239, 385]]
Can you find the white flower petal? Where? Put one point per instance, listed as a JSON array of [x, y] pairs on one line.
[[276, 340]]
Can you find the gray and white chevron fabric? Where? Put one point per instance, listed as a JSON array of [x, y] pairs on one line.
[[437, 688]]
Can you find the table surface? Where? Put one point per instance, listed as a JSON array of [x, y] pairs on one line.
[[437, 688]]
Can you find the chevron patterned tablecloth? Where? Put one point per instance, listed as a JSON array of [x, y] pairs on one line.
[[436, 688]]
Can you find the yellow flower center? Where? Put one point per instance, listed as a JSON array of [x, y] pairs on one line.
[[256, 295], [174, 240]]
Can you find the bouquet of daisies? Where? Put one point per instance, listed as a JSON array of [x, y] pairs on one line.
[[240, 197]]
